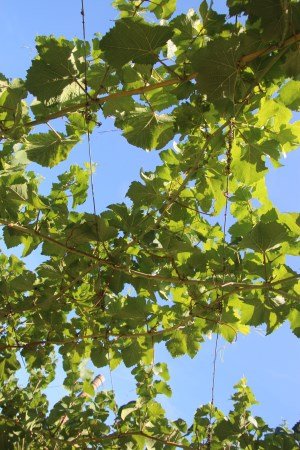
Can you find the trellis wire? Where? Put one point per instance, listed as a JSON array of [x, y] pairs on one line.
[[82, 12], [87, 120], [216, 346]]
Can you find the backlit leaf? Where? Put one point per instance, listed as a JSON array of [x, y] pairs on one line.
[[132, 40], [49, 149]]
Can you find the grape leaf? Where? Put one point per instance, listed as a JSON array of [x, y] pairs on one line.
[[147, 129], [132, 40], [265, 236], [52, 70], [49, 149], [217, 68]]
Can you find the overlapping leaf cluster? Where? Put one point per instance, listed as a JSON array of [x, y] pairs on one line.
[[160, 268]]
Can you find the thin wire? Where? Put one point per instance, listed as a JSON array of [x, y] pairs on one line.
[[17, 342], [87, 120], [220, 318], [111, 380], [224, 273], [82, 12], [215, 353], [115, 408]]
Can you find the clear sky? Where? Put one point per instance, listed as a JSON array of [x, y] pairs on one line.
[[270, 363]]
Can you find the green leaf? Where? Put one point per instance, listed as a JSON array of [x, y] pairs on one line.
[[70, 94], [161, 369], [177, 345], [292, 64], [141, 194], [147, 129], [92, 229], [12, 111], [99, 77], [247, 164], [290, 95], [77, 124], [163, 9], [135, 308], [118, 106], [184, 343], [275, 19], [160, 99], [132, 40], [212, 21], [49, 149], [242, 194], [126, 8], [216, 67], [132, 354], [265, 236], [23, 282], [8, 366], [163, 388], [99, 355], [230, 325], [52, 70], [77, 181], [274, 114], [127, 409], [88, 388], [294, 318]]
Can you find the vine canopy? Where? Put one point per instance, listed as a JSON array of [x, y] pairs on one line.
[[196, 248]]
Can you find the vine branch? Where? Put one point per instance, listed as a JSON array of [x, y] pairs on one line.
[[133, 272], [244, 60]]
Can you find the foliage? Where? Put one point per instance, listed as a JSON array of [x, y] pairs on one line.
[[226, 91]]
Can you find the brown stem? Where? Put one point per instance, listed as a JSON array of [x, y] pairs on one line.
[[129, 271], [252, 56], [101, 100], [244, 60], [100, 336], [149, 333], [115, 436]]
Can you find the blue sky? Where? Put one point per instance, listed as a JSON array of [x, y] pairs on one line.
[[270, 363]]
